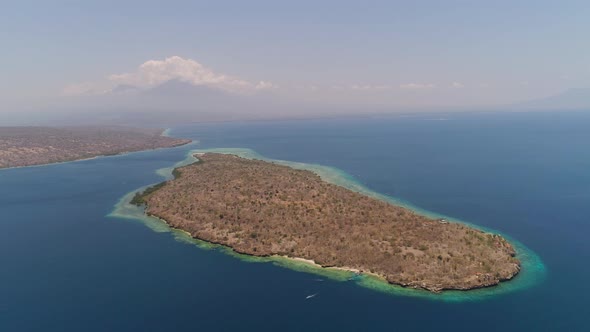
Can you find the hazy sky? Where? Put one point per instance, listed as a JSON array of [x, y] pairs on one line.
[[387, 53]]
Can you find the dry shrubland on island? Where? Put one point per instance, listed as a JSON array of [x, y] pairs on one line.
[[262, 209], [26, 146]]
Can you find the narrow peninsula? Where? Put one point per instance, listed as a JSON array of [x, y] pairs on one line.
[[28, 146], [263, 209]]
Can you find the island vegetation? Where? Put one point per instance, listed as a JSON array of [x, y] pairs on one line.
[[260, 208], [26, 146]]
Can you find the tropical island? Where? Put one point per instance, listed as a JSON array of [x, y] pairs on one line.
[[27, 146], [261, 208]]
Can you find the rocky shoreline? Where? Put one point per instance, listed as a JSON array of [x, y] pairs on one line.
[[428, 259]]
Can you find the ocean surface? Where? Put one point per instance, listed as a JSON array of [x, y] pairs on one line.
[[70, 262]]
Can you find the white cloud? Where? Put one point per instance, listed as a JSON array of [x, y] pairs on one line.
[[360, 87], [263, 85], [416, 86], [86, 88], [369, 87], [78, 89], [155, 72], [457, 85]]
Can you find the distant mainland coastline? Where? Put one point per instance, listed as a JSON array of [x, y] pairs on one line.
[[36, 146]]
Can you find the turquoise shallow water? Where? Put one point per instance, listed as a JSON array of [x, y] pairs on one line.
[[532, 273], [68, 264]]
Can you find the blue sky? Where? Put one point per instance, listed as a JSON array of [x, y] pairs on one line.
[[392, 53]]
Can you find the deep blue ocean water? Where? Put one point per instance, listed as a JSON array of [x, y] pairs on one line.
[[66, 266]]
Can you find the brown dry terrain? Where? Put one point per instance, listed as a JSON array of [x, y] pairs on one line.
[[261, 209], [26, 146]]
